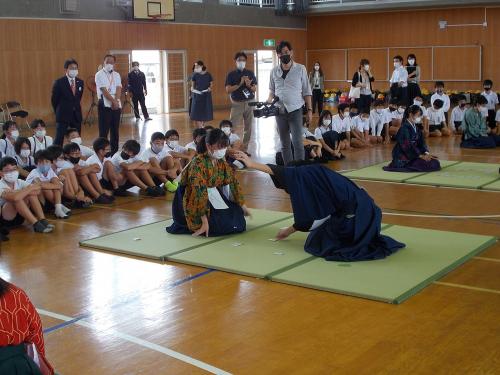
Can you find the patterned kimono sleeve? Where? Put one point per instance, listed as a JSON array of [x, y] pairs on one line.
[[195, 200], [234, 184]]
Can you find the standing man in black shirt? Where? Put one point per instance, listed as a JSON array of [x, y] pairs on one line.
[[137, 86], [241, 84]]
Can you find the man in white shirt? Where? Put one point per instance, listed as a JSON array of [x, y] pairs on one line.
[[341, 124], [492, 98], [439, 94], [378, 120], [399, 81], [109, 90]]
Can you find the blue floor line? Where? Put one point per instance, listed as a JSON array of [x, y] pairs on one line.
[[64, 324], [185, 280]]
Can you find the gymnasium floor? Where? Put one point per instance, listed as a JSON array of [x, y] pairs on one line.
[[111, 314]]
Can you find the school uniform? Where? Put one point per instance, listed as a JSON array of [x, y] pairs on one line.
[[4, 186], [360, 125], [492, 98], [497, 117], [117, 160], [377, 122], [38, 145], [148, 153], [28, 164], [86, 152], [7, 148], [399, 75], [191, 146], [36, 174], [330, 137], [233, 138], [94, 159], [457, 116], [306, 134], [341, 126], [109, 119], [425, 114], [179, 149], [446, 103], [436, 119], [65, 164]]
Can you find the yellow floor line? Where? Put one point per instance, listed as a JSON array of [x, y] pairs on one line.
[[79, 225], [488, 259], [468, 287], [126, 210]]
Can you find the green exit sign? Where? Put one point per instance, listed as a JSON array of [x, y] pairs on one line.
[[269, 43]]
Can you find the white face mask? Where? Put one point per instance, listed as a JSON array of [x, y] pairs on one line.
[[401, 110], [396, 64], [417, 102], [379, 111], [156, 148], [14, 134], [316, 67], [108, 67], [25, 153], [77, 140], [197, 70], [484, 111], [72, 73], [60, 163], [173, 144], [11, 176], [241, 65], [346, 114], [367, 67], [411, 61], [364, 119], [219, 154], [327, 122], [226, 130], [135, 68], [418, 120], [40, 133]]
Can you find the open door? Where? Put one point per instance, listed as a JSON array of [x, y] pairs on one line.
[[176, 81], [122, 66]]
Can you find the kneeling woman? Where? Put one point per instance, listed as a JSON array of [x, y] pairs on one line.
[[343, 220], [410, 153], [209, 200]]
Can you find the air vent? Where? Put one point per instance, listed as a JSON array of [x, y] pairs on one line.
[[69, 6]]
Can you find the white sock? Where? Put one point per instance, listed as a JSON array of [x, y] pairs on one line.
[[59, 212], [63, 208]]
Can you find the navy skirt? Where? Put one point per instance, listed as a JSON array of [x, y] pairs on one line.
[[201, 107], [417, 165], [479, 142], [221, 222]]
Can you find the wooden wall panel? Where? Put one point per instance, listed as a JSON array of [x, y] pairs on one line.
[[34, 52], [457, 63], [333, 63], [424, 59], [377, 58]]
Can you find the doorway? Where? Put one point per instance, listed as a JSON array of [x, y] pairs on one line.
[[266, 61], [151, 65]]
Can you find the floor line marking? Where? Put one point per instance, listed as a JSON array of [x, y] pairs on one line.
[[428, 186], [443, 216], [141, 342], [488, 259], [127, 210], [467, 287], [64, 324]]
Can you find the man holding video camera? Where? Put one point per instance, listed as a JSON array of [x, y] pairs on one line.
[[289, 82]]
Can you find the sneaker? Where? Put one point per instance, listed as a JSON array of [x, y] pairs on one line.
[[82, 204], [137, 118], [103, 199], [38, 227], [170, 186], [120, 192], [47, 224], [151, 191], [148, 119], [159, 191]]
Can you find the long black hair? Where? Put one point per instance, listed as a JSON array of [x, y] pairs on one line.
[[413, 110], [320, 71], [412, 56], [213, 137], [4, 287]]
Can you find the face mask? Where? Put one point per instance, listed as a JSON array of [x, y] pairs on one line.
[[364, 119], [124, 155], [462, 105], [173, 144], [77, 140], [439, 91], [401, 110], [484, 111], [240, 65], [396, 65], [108, 67], [219, 154], [60, 163], [44, 168], [135, 68], [411, 62], [107, 154], [11, 176], [14, 134], [226, 130], [285, 59], [487, 88], [367, 67], [74, 160], [327, 122], [417, 102], [352, 114], [197, 70], [346, 114], [156, 149], [392, 109], [316, 67], [25, 153], [72, 73], [418, 120], [379, 111], [40, 133]]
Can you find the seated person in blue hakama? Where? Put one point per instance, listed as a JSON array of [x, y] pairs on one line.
[[342, 219], [475, 132], [410, 153]]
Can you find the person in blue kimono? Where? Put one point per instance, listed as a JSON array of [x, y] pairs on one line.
[[410, 153], [343, 221]]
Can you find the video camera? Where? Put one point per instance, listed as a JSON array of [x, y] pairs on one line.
[[265, 109]]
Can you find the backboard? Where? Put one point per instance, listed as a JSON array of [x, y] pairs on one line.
[[154, 10]]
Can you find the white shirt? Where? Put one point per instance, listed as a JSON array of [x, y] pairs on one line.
[[94, 159], [191, 146], [445, 98], [66, 164], [306, 133], [492, 98], [7, 148], [37, 145], [360, 125], [30, 161], [110, 81], [377, 121], [341, 125], [436, 117], [4, 187], [117, 160], [86, 152], [233, 138], [457, 114], [35, 173], [497, 117], [400, 75], [318, 133], [389, 115], [148, 153], [179, 149], [293, 88]]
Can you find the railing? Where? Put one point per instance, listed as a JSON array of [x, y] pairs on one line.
[[253, 3]]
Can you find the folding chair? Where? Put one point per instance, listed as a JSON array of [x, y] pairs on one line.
[[13, 110]]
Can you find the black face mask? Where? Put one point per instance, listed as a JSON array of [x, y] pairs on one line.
[[486, 88], [74, 160], [462, 105], [124, 155], [352, 114], [285, 59], [108, 154], [392, 109]]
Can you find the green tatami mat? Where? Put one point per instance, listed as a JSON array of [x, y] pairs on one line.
[[152, 240], [493, 186], [376, 173], [251, 253], [429, 254], [464, 174]]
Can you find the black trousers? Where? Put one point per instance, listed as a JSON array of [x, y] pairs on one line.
[[364, 102], [109, 124], [317, 99], [400, 93], [136, 99], [62, 127]]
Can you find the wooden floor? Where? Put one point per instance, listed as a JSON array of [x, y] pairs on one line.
[[133, 316]]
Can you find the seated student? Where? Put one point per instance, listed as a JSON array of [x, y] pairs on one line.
[[19, 200], [424, 124], [341, 124], [474, 129], [378, 121], [390, 113], [21, 329], [360, 130], [107, 176], [440, 94], [492, 98], [134, 171], [457, 114], [437, 121], [174, 149], [234, 140], [40, 140], [157, 156], [329, 140], [209, 200], [312, 147], [72, 135], [410, 153], [396, 119], [86, 174], [198, 134], [342, 219], [25, 161], [9, 136], [51, 185], [497, 119], [72, 191]]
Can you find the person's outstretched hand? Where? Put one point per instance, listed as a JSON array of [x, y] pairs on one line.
[[241, 156], [204, 227], [284, 233]]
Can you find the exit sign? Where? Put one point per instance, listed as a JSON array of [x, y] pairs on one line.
[[269, 43]]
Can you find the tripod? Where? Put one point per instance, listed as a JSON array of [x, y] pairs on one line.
[[89, 118], [125, 103]]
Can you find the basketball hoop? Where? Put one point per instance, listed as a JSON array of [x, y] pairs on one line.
[[160, 17]]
